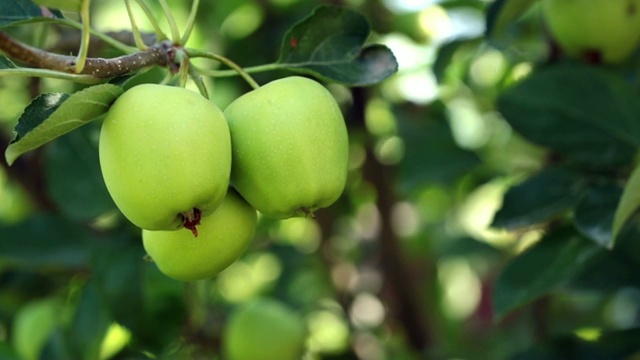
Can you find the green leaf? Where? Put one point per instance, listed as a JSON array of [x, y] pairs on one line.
[[5, 63], [621, 271], [74, 178], [89, 324], [329, 43], [627, 241], [593, 216], [44, 241], [501, 16], [554, 260], [117, 269], [629, 202], [619, 344], [14, 12], [51, 115], [587, 115], [539, 198]]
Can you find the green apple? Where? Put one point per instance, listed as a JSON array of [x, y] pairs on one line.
[[165, 155], [609, 28], [264, 329], [290, 147], [223, 238]]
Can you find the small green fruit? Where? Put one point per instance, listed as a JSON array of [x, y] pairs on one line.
[[610, 28], [290, 147], [223, 237], [264, 330], [165, 155]]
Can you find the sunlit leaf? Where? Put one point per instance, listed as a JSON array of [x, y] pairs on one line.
[[330, 44], [51, 115]]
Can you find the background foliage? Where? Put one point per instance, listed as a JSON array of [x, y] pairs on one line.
[[482, 218]]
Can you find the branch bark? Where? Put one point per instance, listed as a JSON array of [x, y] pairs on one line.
[[160, 54], [398, 279]]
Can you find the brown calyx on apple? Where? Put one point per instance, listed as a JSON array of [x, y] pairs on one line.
[[191, 219], [308, 213]]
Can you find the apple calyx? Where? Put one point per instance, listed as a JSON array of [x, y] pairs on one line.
[[308, 213], [190, 219]]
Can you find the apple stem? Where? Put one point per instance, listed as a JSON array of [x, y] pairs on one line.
[[191, 219]]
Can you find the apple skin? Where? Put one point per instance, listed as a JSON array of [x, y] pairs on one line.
[[223, 238], [610, 28], [290, 147], [264, 329], [165, 151]]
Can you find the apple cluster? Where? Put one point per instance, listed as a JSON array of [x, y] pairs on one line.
[[192, 177]]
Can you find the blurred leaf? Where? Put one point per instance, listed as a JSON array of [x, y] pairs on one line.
[[539, 198], [587, 114], [329, 44], [620, 272], [117, 268], [593, 216], [44, 241], [13, 12], [628, 240], [609, 345], [74, 178], [554, 260], [51, 115], [444, 58], [629, 202], [164, 308], [431, 153], [466, 247], [56, 347], [7, 352], [6, 63], [89, 324], [502, 14]]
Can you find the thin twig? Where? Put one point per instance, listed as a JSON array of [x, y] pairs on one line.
[[159, 54]]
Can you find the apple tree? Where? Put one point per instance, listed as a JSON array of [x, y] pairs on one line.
[[305, 179]]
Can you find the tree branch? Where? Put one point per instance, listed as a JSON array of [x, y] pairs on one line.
[[399, 280], [160, 54]]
